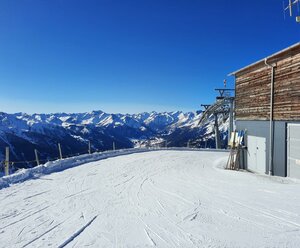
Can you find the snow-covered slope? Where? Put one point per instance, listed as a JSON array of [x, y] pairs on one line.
[[153, 199]]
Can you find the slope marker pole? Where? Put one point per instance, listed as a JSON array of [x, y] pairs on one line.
[[114, 146], [89, 147], [36, 157], [7, 161], [59, 149]]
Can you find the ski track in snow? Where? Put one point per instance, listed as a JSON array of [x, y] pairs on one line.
[[152, 199]]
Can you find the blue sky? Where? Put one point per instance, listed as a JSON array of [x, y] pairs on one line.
[[130, 55]]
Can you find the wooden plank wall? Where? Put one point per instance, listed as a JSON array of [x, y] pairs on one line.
[[252, 95], [287, 89], [253, 90]]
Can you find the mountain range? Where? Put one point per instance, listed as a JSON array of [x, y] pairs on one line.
[[23, 133]]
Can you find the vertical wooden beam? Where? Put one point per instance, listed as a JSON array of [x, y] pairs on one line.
[[7, 161]]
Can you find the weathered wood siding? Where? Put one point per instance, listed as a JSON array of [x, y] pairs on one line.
[[253, 89], [287, 89], [252, 96]]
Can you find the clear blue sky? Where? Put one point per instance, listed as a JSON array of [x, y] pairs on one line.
[[130, 55]]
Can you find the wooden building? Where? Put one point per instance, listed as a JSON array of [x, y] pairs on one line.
[[267, 106]]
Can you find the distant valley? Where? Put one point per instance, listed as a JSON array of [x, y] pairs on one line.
[[23, 132]]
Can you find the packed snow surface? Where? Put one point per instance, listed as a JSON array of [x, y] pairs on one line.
[[157, 198]]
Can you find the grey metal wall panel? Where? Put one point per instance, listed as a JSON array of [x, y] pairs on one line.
[[261, 129], [253, 128], [256, 154], [279, 155], [293, 156]]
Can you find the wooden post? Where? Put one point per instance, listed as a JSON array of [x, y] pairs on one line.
[[59, 149], [36, 157], [89, 147], [114, 146], [7, 161]]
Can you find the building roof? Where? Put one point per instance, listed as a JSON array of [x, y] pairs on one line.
[[271, 59]]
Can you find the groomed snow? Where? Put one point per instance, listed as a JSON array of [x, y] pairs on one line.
[[158, 198]]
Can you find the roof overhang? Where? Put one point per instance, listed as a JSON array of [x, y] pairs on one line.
[[271, 59]]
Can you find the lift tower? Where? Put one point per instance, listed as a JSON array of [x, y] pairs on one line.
[[224, 105]]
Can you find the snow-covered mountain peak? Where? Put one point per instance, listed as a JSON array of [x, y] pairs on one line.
[[25, 132], [152, 120]]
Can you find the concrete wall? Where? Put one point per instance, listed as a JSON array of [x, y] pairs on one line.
[[261, 129]]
